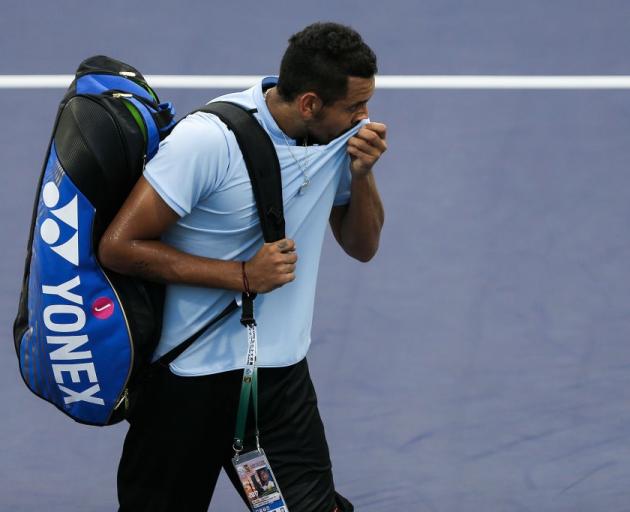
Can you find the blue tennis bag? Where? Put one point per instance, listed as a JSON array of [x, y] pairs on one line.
[[81, 331]]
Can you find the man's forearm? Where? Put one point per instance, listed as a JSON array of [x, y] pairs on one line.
[[156, 261], [271, 267], [362, 223]]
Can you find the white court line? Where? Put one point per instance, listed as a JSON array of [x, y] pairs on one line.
[[382, 81]]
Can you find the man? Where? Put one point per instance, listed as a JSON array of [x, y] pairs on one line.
[[191, 221], [265, 482]]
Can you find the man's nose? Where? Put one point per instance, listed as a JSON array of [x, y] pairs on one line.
[[362, 115]]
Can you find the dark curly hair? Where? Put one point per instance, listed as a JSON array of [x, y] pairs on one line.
[[320, 59]]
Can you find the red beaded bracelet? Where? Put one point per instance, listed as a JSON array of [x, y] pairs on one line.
[[245, 280]]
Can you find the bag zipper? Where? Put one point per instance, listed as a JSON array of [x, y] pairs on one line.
[[144, 128], [123, 399], [129, 75]]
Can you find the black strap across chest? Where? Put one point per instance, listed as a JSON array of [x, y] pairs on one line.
[[263, 167]]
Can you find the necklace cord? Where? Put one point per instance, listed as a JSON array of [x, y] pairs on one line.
[[303, 163]]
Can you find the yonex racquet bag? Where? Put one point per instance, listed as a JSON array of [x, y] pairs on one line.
[[81, 330], [85, 335]]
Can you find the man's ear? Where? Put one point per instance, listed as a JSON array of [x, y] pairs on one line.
[[309, 105]]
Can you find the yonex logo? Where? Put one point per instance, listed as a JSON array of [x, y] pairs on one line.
[[65, 319], [50, 230]]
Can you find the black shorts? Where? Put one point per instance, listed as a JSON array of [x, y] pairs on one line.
[[181, 433]]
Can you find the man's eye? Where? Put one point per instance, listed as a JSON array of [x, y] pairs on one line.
[[354, 108]]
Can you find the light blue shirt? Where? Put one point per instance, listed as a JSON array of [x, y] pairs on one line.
[[200, 173]]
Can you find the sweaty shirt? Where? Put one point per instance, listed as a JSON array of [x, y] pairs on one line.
[[200, 173]]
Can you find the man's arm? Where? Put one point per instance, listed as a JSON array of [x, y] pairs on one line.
[[357, 226], [131, 246]]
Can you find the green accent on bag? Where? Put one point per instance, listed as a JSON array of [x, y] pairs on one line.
[[138, 117]]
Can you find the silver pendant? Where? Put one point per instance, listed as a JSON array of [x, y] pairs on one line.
[[303, 187]]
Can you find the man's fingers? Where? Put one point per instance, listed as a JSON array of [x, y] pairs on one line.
[[370, 135], [284, 258], [365, 147], [285, 245], [282, 244], [369, 143], [273, 266], [289, 268], [372, 138], [287, 278], [379, 128]]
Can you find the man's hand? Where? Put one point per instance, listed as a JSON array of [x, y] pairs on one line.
[[366, 147], [272, 266]]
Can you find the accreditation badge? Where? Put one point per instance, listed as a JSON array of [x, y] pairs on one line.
[[259, 482]]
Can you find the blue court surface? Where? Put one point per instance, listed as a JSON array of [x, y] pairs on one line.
[[481, 362]]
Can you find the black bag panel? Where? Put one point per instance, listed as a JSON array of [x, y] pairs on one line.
[[144, 304], [20, 324], [103, 158]]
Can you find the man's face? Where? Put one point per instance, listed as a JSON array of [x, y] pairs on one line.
[[334, 119], [264, 476]]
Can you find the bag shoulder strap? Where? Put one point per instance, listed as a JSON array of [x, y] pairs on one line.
[[263, 167], [262, 164]]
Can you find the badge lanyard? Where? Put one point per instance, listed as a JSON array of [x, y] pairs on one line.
[[253, 468], [249, 387]]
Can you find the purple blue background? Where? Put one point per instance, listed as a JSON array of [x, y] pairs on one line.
[[481, 361]]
